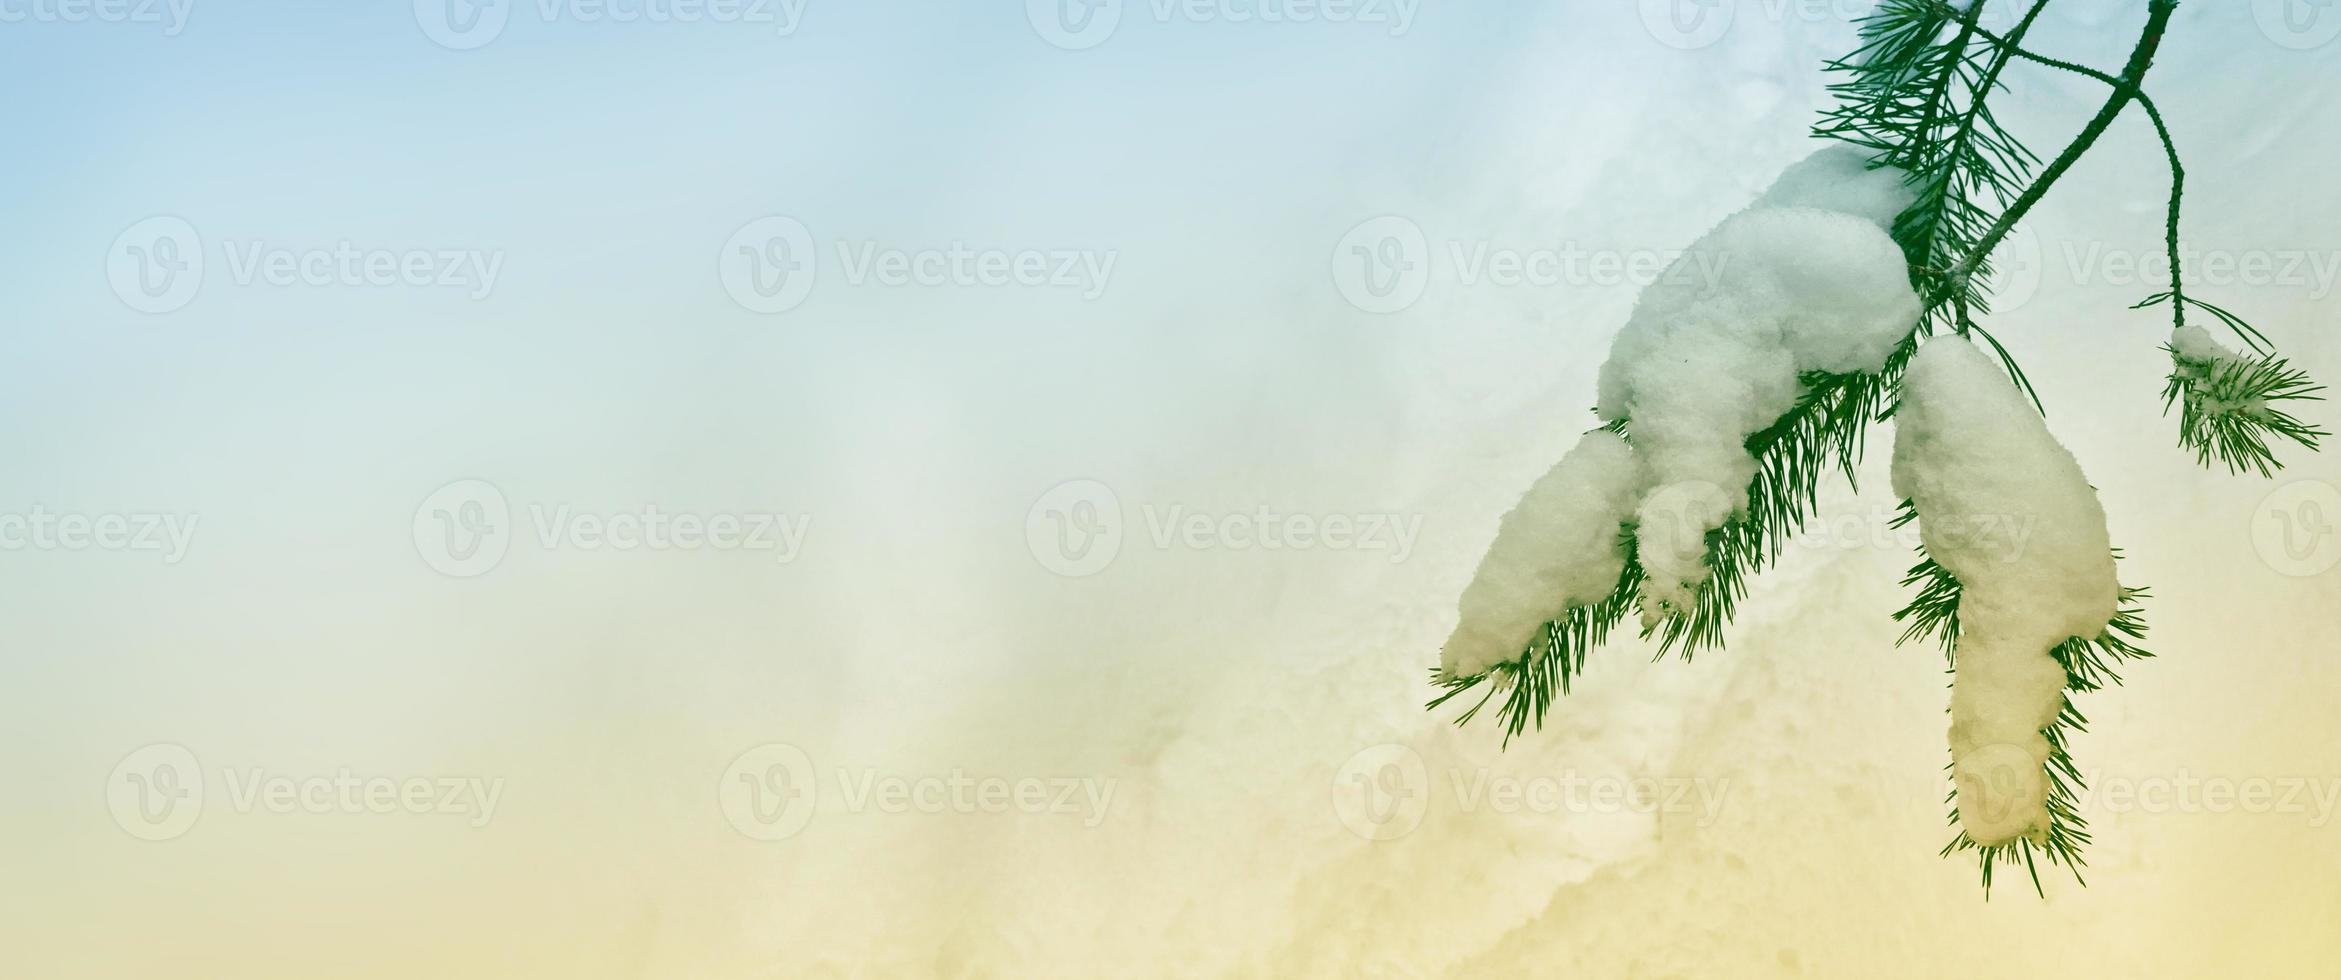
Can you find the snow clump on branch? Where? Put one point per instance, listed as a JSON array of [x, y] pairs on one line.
[[1970, 451], [1807, 279]]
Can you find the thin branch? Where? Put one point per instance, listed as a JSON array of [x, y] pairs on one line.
[[2012, 45], [2141, 59], [1983, 90]]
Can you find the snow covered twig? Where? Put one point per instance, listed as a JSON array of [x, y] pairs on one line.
[[1723, 409]]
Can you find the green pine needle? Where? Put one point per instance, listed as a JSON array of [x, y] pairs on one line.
[[1553, 659], [1916, 95], [2228, 407], [2090, 664], [1916, 101], [1826, 431]]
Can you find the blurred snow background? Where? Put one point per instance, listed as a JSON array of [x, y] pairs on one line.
[[1227, 699]]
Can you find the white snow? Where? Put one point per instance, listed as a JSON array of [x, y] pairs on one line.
[[1558, 548], [1809, 281], [2193, 343], [2006, 510], [1804, 279], [2197, 358], [1838, 178]]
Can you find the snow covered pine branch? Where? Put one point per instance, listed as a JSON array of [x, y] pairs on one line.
[[1813, 286], [1810, 282], [2021, 590], [1848, 294]]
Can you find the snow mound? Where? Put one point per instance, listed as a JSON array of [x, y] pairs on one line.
[[2193, 343], [2006, 510], [1838, 178], [1805, 279], [1809, 281], [1557, 549]]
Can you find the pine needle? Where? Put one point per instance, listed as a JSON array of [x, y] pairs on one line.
[[2090, 664]]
